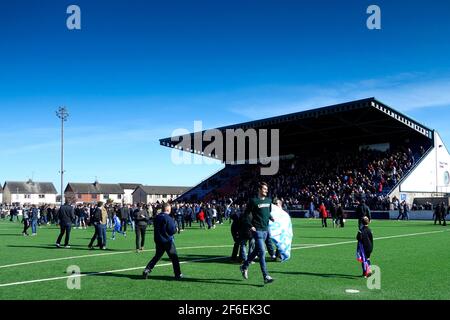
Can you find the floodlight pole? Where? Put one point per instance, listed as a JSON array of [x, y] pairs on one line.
[[62, 114]]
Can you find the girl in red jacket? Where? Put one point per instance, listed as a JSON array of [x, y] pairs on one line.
[[201, 218], [324, 215]]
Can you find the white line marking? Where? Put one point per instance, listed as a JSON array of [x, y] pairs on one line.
[[201, 260], [103, 272], [382, 238]]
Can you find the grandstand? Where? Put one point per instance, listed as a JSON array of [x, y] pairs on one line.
[[351, 151]]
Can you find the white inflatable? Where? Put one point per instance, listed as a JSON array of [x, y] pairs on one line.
[[281, 232]]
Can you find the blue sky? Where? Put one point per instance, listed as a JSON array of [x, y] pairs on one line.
[[140, 69]]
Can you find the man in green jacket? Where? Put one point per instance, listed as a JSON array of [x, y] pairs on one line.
[[258, 214]]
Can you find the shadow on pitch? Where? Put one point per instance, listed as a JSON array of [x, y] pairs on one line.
[[72, 248], [135, 277], [322, 275]]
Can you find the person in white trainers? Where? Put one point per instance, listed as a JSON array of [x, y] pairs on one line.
[[258, 213]]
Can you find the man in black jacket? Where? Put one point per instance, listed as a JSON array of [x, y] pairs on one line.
[[444, 212], [165, 229], [124, 216], [438, 214], [235, 230], [95, 220], [66, 216], [363, 211], [141, 218]]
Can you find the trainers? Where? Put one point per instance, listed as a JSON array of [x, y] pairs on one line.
[[244, 272], [145, 274], [268, 279], [58, 245], [67, 247], [179, 277]]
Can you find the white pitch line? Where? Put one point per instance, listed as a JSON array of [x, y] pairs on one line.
[[202, 260], [102, 272], [382, 238], [203, 247]]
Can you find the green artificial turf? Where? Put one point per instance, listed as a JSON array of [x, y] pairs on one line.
[[412, 267]]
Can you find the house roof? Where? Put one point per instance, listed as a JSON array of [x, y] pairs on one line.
[[30, 187], [95, 188], [164, 190], [130, 186]]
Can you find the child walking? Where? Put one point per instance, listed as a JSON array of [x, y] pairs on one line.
[[365, 247]]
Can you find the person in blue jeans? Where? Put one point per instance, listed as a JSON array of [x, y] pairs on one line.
[[34, 220], [256, 219], [165, 229]]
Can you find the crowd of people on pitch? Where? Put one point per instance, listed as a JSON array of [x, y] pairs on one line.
[[343, 177]]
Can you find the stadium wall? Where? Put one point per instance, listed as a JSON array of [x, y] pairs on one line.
[[413, 215], [376, 215], [431, 178]]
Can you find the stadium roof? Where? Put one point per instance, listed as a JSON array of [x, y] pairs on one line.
[[364, 121]]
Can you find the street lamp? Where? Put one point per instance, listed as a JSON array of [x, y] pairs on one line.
[[62, 114]]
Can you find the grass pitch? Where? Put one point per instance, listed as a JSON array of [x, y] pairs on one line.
[[413, 256]]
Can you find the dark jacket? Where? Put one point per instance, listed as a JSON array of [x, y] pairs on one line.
[[245, 224], [363, 211], [124, 213], [365, 236], [66, 215], [165, 228], [235, 226], [96, 215], [141, 217]]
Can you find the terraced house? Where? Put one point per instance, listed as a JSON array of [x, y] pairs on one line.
[[94, 192], [29, 193]]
